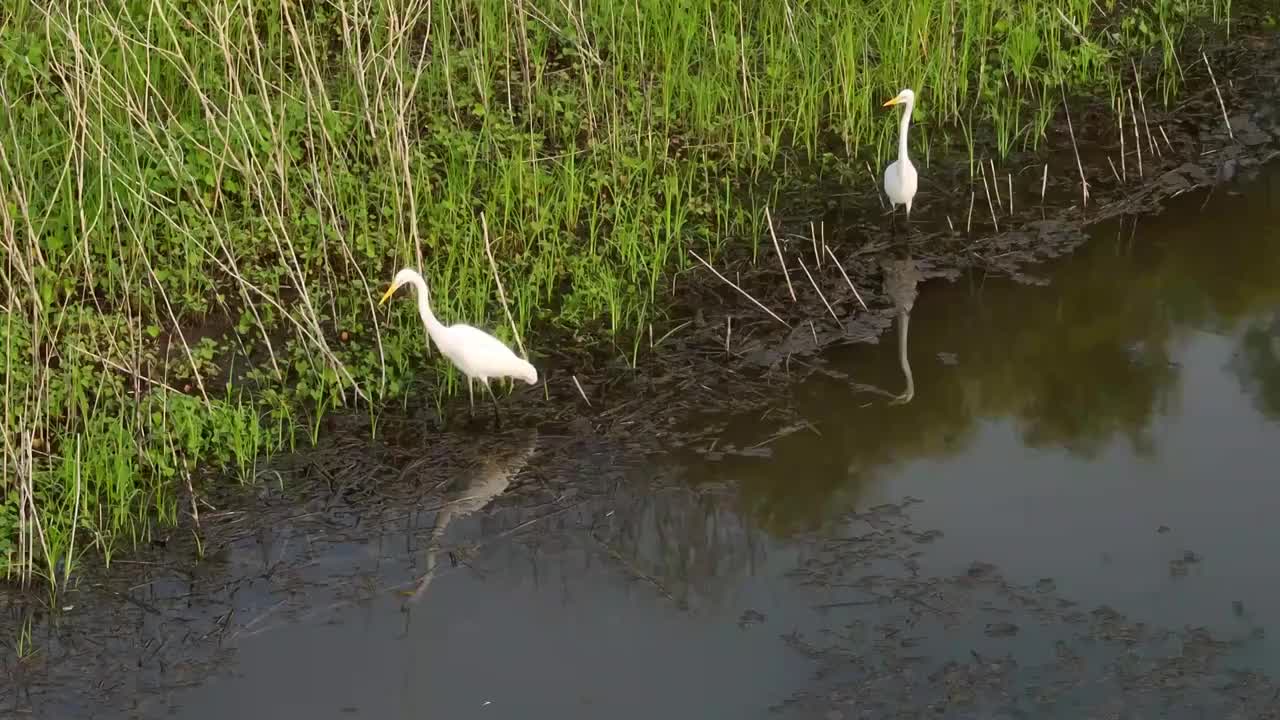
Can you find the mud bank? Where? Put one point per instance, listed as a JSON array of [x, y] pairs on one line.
[[721, 352], [357, 522]]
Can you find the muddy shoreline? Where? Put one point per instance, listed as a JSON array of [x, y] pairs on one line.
[[169, 616], [722, 352]]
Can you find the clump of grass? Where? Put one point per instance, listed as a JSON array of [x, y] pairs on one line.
[[186, 183]]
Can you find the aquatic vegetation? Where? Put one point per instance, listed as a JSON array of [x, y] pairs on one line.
[[198, 199]]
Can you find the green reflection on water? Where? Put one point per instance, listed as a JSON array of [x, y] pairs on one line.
[[1080, 364]]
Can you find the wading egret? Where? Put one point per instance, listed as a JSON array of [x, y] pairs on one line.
[[479, 355], [900, 177]]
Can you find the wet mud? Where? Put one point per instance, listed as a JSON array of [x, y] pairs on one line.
[[361, 526], [948, 646]]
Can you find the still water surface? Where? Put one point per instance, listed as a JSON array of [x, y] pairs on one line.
[[1116, 431]]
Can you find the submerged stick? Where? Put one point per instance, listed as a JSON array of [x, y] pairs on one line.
[[1218, 92], [740, 290], [846, 277], [786, 275]]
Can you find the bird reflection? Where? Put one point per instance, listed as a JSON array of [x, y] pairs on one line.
[[900, 279], [487, 480]]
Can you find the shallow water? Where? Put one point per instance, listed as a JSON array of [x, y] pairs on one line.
[[1108, 439], [1089, 433]]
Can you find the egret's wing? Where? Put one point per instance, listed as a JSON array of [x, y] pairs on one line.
[[484, 354], [891, 175], [479, 341]]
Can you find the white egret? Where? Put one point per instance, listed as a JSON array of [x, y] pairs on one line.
[[479, 355], [900, 178]]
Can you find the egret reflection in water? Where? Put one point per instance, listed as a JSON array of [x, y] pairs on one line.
[[901, 276], [489, 478]]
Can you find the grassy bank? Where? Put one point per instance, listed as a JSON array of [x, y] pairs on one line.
[[202, 201]]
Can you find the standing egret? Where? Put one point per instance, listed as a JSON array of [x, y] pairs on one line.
[[900, 177], [476, 353]]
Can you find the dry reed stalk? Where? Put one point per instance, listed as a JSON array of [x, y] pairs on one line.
[[1137, 138], [871, 174], [778, 249], [1146, 123], [502, 295], [817, 289], [995, 183], [1084, 184], [580, 390], [1124, 167], [986, 189], [740, 290], [846, 277], [1226, 121]]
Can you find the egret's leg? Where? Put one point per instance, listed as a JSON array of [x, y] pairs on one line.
[[497, 415], [471, 397]]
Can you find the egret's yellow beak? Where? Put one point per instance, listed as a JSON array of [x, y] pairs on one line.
[[386, 295], [894, 101]]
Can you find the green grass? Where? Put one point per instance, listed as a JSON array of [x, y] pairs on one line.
[[184, 183]]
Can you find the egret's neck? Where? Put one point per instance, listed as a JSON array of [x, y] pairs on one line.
[[902, 130], [424, 309], [904, 322]]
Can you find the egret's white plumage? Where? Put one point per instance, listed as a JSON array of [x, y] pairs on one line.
[[479, 355], [900, 178]]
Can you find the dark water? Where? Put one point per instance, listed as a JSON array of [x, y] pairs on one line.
[[1108, 439]]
